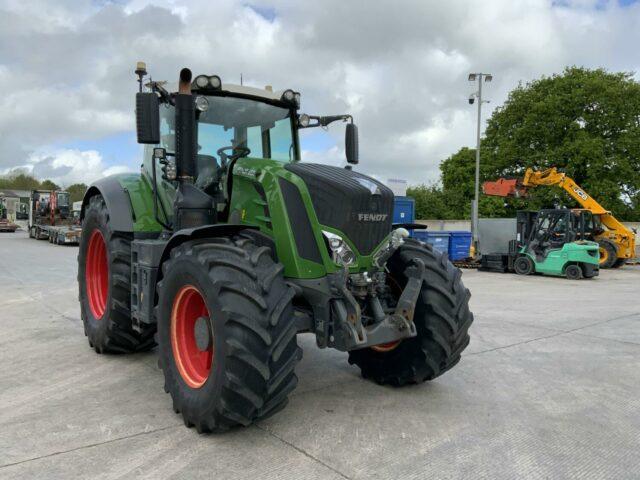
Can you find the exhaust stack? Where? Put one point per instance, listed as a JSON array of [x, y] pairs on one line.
[[193, 207], [185, 129]]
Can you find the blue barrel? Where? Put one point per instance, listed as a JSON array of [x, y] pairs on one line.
[[439, 240], [404, 210], [459, 244]]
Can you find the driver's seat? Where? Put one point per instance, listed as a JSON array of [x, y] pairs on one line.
[[208, 170]]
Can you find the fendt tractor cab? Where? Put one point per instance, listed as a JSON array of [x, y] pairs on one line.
[[226, 246], [556, 242]]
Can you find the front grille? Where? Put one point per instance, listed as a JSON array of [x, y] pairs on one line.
[[348, 201], [299, 221]]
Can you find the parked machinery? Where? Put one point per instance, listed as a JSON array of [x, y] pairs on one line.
[[617, 242], [5, 224], [50, 218], [550, 242]]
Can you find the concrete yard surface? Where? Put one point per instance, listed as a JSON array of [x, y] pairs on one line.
[[548, 388]]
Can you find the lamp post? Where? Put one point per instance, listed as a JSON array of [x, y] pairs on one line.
[[474, 207]]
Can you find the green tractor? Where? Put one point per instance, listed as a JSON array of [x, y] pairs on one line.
[[555, 242], [226, 246]]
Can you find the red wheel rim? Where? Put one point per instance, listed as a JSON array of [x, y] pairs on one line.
[[193, 364], [97, 274], [386, 347]]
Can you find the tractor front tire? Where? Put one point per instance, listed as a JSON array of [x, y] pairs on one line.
[[104, 280], [608, 253], [226, 333], [442, 318]]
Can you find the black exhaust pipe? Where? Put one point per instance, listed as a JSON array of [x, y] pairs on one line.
[[193, 207], [185, 129]]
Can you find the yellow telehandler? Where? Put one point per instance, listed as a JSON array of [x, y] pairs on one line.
[[617, 242]]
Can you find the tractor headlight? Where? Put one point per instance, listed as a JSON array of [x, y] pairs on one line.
[[202, 104], [341, 253], [207, 82], [201, 81], [304, 120], [215, 82], [170, 170], [288, 95], [291, 97]]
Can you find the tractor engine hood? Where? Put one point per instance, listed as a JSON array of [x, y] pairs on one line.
[[357, 205]]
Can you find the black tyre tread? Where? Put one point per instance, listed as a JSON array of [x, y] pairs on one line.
[[576, 272], [442, 321], [262, 349], [119, 335], [612, 251], [528, 267], [619, 263]]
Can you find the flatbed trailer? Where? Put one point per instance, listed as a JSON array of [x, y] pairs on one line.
[[50, 218], [59, 234]]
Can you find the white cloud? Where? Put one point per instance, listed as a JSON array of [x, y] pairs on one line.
[[66, 67], [66, 167]]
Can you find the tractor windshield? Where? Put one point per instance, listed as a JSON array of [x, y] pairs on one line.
[[265, 129]]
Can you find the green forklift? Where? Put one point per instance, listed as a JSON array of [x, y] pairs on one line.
[[226, 246], [550, 242]]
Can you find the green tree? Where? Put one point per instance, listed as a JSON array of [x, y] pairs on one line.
[[430, 202], [585, 122], [19, 181], [76, 191], [48, 185]]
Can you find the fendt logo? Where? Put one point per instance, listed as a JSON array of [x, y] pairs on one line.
[[372, 217], [581, 193]]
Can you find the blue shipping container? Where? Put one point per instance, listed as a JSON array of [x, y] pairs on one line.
[[459, 244], [439, 240], [404, 210]]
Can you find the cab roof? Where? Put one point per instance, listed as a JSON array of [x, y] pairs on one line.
[[239, 89]]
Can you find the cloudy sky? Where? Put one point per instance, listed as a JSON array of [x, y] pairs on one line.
[[400, 67]]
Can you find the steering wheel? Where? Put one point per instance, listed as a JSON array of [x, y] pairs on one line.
[[239, 153]]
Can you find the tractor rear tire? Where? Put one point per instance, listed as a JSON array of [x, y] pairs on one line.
[[608, 253], [442, 318], [523, 266], [104, 280], [226, 333], [573, 272]]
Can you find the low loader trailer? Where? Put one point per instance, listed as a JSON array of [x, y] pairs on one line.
[[50, 218], [62, 235]]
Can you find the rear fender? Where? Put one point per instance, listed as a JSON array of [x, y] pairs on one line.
[[117, 200], [129, 199]]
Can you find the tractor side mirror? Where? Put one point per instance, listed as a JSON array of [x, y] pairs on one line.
[[351, 143], [148, 118]]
